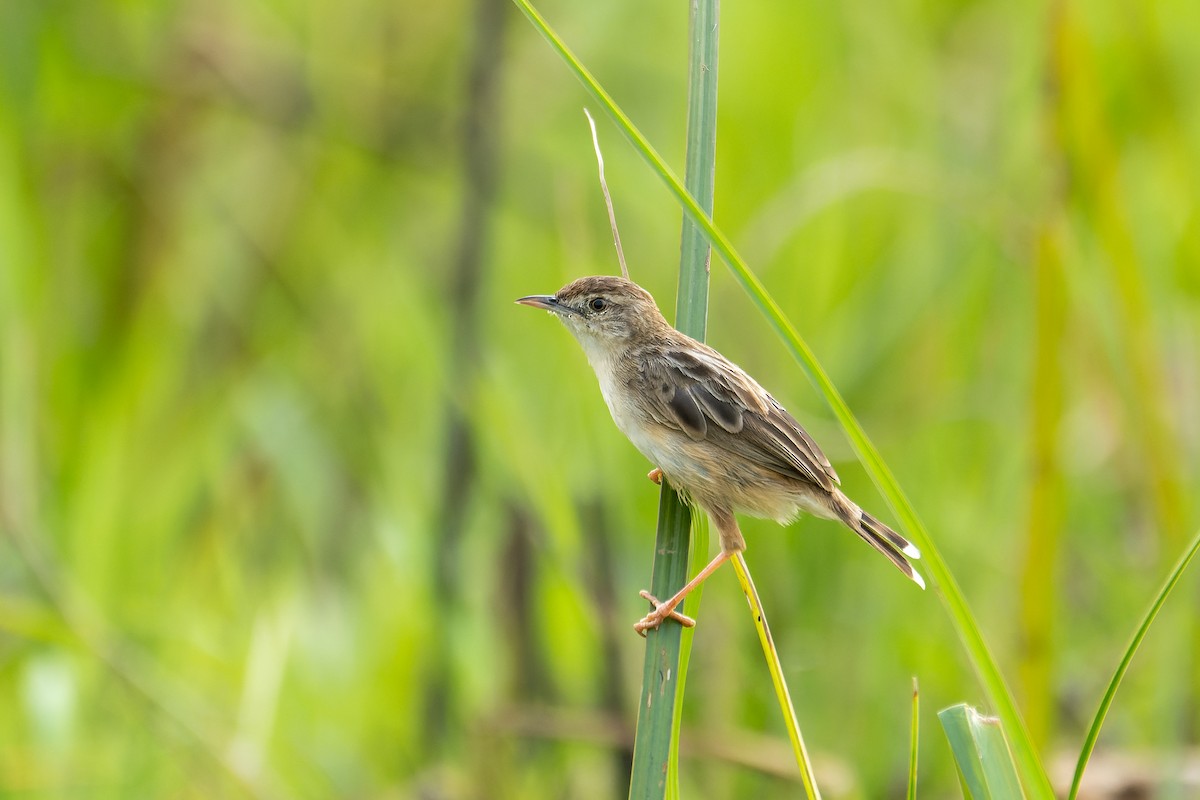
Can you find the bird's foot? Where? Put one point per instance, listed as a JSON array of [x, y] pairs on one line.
[[660, 614], [655, 476]]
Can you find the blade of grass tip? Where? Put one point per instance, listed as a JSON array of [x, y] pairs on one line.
[[956, 724], [913, 738], [777, 679], [1032, 771], [981, 754], [1089, 743]]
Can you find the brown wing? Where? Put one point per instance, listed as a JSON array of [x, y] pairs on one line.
[[704, 395]]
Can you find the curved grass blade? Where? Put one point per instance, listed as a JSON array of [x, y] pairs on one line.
[[1032, 772], [1089, 743], [776, 668]]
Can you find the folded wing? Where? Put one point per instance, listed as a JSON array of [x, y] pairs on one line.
[[704, 395]]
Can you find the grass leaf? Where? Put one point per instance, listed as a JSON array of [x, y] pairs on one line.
[[1089, 743], [667, 649], [981, 754], [661, 675], [771, 655]]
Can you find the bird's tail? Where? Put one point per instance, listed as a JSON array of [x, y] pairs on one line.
[[895, 547]]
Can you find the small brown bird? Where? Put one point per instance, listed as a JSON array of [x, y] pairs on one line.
[[717, 436]]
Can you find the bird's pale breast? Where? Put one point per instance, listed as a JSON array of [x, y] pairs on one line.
[[695, 467]]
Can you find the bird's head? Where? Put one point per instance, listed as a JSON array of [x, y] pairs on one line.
[[604, 312]]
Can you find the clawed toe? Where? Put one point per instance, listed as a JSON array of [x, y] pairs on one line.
[[660, 613]]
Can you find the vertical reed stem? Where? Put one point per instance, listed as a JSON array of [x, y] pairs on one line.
[[655, 756]]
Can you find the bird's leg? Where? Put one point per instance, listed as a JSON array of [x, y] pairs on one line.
[[731, 543], [655, 476], [664, 611]]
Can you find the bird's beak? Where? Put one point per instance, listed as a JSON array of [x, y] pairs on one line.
[[548, 302]]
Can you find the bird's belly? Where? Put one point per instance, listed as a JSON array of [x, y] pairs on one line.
[[672, 452], [708, 476], [714, 479]]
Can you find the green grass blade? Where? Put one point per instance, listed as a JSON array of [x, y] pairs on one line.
[[667, 654], [776, 669], [1000, 697], [981, 754], [661, 677], [691, 311], [691, 605], [914, 737], [1089, 743]]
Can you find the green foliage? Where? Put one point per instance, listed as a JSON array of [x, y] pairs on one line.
[[949, 591], [238, 553]]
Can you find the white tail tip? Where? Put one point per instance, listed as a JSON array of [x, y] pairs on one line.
[[917, 579], [911, 551]]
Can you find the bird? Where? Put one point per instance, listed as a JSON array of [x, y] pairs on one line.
[[717, 436]]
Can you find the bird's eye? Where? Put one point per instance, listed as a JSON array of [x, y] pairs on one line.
[[597, 304]]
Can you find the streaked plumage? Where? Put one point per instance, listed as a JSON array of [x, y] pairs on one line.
[[715, 433]]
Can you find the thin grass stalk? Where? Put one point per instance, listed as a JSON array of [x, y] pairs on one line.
[[656, 742], [1097, 184], [1039, 594], [1033, 774], [691, 606], [1099, 189], [914, 737], [1089, 743], [776, 668]]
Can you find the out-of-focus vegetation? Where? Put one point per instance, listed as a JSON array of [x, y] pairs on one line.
[[295, 502]]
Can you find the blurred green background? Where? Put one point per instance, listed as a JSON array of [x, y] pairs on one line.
[[296, 503]]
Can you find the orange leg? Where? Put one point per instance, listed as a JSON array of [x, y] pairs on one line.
[[655, 475], [664, 611]]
